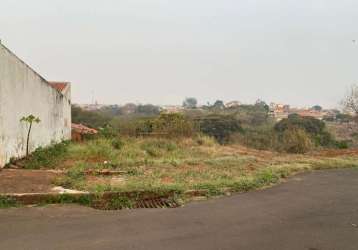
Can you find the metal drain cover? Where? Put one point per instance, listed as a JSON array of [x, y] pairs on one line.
[[156, 203]]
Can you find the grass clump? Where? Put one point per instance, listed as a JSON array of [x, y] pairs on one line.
[[47, 157], [85, 199], [119, 203], [158, 147], [203, 140], [7, 202], [100, 149], [117, 143], [74, 178]]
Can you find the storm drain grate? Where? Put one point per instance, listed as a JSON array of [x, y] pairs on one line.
[[156, 203], [126, 203]]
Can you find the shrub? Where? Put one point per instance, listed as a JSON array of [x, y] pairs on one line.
[[220, 127], [297, 141], [258, 138], [325, 139], [343, 144], [93, 119], [47, 157], [144, 126], [7, 202], [309, 124], [314, 128], [203, 140], [174, 125], [108, 132], [132, 126], [117, 143], [252, 115]]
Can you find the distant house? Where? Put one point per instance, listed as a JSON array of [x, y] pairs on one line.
[[279, 111], [172, 109], [24, 92], [309, 113], [80, 132], [232, 104]]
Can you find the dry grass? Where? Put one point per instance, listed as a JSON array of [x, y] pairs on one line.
[[183, 164], [186, 164]]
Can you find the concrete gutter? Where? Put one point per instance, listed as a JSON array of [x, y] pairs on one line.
[[106, 200]]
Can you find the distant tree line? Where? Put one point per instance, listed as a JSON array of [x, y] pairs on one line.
[[250, 125]]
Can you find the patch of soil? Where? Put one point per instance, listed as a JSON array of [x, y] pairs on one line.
[[337, 152], [26, 181], [242, 150], [97, 180], [167, 180]]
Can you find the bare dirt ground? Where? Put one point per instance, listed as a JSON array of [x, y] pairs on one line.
[[26, 181], [336, 152]]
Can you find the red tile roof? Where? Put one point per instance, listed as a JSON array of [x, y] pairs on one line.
[[60, 86], [81, 129]]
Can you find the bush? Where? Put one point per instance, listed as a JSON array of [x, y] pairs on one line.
[[315, 129], [93, 119], [258, 138], [47, 157], [221, 127], [108, 132], [117, 143], [143, 127], [252, 115], [174, 125], [203, 140], [131, 126], [296, 141], [7, 202], [343, 144], [325, 139], [309, 124]]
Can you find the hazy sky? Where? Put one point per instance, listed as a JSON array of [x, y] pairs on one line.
[[160, 51]]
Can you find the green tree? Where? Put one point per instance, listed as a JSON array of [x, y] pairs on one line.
[[315, 128], [173, 125], [317, 108], [29, 120], [219, 105], [261, 104], [148, 109], [93, 119], [190, 103], [221, 127]]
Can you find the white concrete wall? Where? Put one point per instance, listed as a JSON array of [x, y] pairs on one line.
[[23, 92]]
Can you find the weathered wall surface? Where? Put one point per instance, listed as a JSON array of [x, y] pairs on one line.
[[23, 92]]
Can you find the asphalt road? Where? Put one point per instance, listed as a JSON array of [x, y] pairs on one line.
[[316, 211]]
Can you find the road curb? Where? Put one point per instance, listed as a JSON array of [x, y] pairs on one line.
[[106, 200], [110, 200]]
